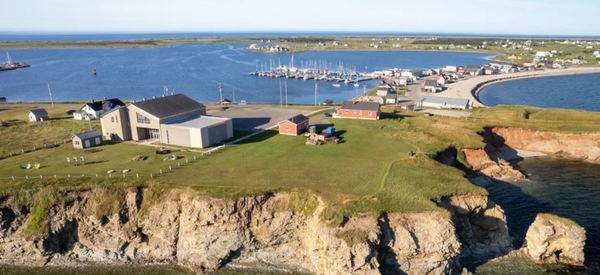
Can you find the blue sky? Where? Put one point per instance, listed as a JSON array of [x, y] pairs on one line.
[[543, 17]]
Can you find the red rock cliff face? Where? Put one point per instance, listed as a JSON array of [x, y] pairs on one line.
[[481, 161], [577, 146]]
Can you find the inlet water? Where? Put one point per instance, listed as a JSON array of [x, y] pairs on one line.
[[196, 70], [571, 92], [566, 188]]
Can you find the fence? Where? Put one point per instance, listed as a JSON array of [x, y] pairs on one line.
[[125, 173], [35, 148]]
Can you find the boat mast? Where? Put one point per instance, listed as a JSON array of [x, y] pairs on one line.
[[286, 95], [280, 95], [8, 61]]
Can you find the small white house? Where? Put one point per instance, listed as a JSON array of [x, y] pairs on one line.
[[441, 81], [95, 109], [38, 115], [542, 56]]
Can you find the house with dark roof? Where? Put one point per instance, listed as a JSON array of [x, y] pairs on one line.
[[293, 126], [95, 109], [38, 115], [358, 110], [87, 139], [173, 119], [431, 85]]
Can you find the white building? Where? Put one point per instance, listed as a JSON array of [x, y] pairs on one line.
[[95, 109], [444, 103]]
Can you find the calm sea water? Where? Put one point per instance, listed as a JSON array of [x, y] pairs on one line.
[[572, 92], [193, 69], [566, 188]]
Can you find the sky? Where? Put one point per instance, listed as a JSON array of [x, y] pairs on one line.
[[538, 17]]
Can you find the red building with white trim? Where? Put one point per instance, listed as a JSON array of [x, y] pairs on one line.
[[359, 110]]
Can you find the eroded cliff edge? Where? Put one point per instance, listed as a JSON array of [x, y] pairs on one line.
[[268, 231]]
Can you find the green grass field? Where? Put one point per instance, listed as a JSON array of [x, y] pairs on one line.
[[369, 171]]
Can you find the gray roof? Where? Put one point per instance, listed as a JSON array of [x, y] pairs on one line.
[[446, 101], [39, 112], [431, 82], [200, 122], [167, 106], [88, 135], [297, 119], [365, 106]]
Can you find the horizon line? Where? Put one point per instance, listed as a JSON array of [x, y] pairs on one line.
[[306, 32]]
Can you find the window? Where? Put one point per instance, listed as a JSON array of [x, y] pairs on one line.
[[117, 119], [112, 119], [142, 119]]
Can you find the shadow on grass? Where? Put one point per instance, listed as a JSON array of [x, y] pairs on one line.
[[393, 116]]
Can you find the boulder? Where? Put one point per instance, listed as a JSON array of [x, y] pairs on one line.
[[552, 239]]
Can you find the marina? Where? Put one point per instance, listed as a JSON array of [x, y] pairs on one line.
[[197, 70], [316, 70]]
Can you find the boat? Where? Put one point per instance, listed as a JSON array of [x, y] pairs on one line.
[[336, 85], [356, 85]]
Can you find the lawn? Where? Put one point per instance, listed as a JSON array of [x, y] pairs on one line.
[[18, 134], [369, 171]]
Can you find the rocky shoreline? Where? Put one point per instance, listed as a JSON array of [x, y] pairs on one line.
[[269, 231]]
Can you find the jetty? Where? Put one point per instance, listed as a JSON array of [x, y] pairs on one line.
[[9, 65]]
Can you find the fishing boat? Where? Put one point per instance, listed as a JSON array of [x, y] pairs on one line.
[[336, 85]]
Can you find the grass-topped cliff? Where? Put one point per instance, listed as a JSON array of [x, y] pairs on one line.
[[372, 170]]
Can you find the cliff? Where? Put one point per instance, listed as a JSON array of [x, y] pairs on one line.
[[576, 146], [268, 231]]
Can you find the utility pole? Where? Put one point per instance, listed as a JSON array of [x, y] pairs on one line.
[[316, 92], [220, 93], [233, 94], [286, 95], [50, 93]]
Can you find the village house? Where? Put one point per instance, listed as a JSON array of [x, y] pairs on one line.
[[472, 70], [38, 115], [173, 119], [293, 126], [384, 89], [95, 109], [431, 86], [444, 103], [87, 139], [441, 81], [358, 110]]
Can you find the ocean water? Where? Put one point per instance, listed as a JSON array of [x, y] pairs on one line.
[[196, 70], [566, 188], [571, 92]]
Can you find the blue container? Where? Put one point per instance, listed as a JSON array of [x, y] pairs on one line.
[[329, 130]]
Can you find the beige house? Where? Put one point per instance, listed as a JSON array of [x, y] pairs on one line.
[[174, 119]]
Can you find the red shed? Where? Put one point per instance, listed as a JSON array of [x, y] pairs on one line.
[[294, 126], [359, 110]]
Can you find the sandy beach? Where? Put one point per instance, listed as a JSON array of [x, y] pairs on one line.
[[469, 88]]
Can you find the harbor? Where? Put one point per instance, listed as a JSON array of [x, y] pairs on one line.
[[9, 65], [315, 70]]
